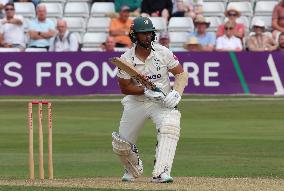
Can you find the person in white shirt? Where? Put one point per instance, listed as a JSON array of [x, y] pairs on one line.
[[12, 30], [64, 41], [229, 42], [154, 61]]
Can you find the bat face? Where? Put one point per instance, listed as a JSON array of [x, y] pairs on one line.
[[132, 71]]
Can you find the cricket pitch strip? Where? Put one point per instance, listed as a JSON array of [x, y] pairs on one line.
[[180, 183]]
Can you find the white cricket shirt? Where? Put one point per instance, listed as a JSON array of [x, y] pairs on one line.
[[156, 66]]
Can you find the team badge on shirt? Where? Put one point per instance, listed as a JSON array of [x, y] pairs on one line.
[[157, 64]]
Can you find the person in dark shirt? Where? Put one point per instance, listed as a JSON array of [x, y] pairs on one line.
[[157, 8]]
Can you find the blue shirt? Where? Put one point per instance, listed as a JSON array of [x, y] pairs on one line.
[[208, 39], [35, 25]]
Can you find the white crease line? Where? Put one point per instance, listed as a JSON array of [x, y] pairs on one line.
[[118, 100]]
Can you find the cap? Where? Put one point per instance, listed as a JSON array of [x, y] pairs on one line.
[[258, 22], [201, 20]]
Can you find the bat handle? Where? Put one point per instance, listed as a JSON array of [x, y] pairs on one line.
[[156, 89]]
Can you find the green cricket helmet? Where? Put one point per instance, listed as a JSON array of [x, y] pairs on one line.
[[143, 24], [140, 25]]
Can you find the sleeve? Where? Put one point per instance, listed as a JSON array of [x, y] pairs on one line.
[[212, 39], [219, 43], [31, 26], [51, 25], [121, 73], [239, 44], [74, 45], [51, 45], [172, 60]]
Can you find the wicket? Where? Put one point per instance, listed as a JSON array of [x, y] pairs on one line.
[[40, 139]]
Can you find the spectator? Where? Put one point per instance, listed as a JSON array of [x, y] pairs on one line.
[[157, 8], [64, 41], [278, 20], [260, 41], [191, 8], [205, 39], [109, 45], [192, 44], [134, 5], [2, 6], [182, 10], [164, 39], [41, 29], [281, 42], [12, 30], [229, 42], [119, 27], [232, 14]]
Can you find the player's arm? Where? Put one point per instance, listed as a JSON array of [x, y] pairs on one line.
[[129, 88], [181, 78]]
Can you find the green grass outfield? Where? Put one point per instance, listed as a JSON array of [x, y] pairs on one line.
[[220, 137]]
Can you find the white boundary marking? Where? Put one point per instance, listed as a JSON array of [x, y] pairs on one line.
[[118, 100]]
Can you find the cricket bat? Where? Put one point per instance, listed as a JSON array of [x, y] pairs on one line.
[[134, 73]]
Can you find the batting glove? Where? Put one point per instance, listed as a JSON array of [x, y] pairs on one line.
[[154, 96], [172, 99]]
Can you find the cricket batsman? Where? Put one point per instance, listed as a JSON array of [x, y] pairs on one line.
[[154, 62]]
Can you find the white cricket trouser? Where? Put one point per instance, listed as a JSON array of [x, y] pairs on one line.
[[137, 112]]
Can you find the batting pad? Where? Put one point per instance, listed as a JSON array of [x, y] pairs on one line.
[[128, 154], [168, 136]]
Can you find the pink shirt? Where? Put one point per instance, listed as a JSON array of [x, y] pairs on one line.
[[221, 29]]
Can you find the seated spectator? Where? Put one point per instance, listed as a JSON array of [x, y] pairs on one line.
[[278, 20], [12, 30], [192, 45], [182, 10], [157, 8], [64, 41], [239, 30], [164, 39], [2, 6], [41, 29], [35, 2], [260, 41], [229, 42], [205, 39], [134, 6], [281, 42], [192, 8], [119, 27], [109, 44]]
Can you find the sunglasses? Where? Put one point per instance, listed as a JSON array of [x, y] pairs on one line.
[[9, 9], [229, 28], [258, 27], [232, 14]]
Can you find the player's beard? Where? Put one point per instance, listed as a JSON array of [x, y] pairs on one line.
[[147, 44]]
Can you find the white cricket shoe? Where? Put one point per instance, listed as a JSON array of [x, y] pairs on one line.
[[163, 178], [127, 177]]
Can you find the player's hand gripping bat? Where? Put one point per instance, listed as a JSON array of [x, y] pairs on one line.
[[134, 73]]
